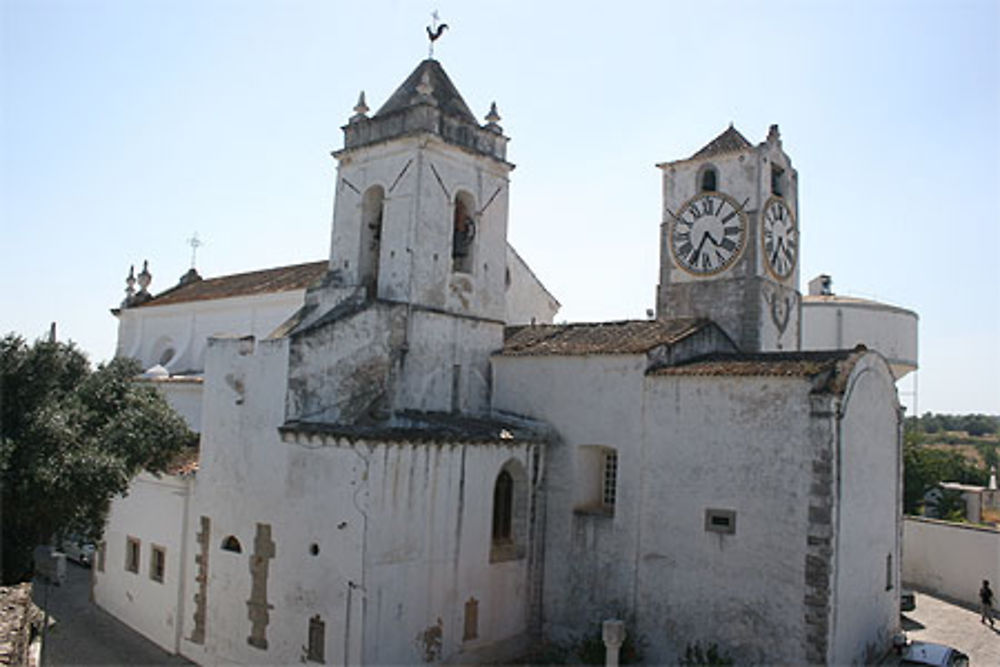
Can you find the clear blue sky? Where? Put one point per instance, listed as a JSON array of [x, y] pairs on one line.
[[128, 125]]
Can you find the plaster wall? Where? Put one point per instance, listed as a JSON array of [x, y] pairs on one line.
[[950, 559], [421, 176], [428, 551], [589, 556], [527, 299], [154, 513], [147, 332], [843, 324], [184, 397], [743, 444], [304, 493], [869, 503]]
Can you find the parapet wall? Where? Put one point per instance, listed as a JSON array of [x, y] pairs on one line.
[[950, 559]]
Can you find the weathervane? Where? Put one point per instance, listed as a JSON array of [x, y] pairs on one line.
[[434, 32], [195, 243]]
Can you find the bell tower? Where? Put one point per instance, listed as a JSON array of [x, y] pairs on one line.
[[421, 201], [729, 241]]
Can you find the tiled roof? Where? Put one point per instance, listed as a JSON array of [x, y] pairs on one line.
[[426, 427], [730, 141], [443, 92], [831, 364], [625, 337], [267, 281]]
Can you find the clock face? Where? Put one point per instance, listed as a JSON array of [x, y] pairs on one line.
[[708, 234], [779, 238]]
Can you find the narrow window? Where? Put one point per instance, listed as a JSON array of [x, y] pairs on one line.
[[503, 507], [232, 544], [708, 181], [777, 180], [102, 551], [720, 521], [132, 546], [158, 563], [372, 206], [888, 572], [317, 639], [463, 233], [609, 489], [471, 629]]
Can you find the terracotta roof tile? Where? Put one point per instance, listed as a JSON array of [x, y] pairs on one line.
[[266, 281], [830, 367], [625, 337]]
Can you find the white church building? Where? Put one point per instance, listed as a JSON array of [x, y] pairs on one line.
[[403, 459]]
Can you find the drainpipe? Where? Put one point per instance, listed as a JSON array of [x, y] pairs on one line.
[[179, 620]]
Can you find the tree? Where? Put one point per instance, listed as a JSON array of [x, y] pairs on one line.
[[926, 467], [71, 438]]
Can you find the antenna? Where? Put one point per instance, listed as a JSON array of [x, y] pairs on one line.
[[195, 243]]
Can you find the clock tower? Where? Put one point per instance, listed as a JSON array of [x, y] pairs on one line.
[[729, 241]]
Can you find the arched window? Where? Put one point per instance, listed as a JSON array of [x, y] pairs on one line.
[[503, 507], [709, 180], [463, 234], [372, 205], [232, 544]]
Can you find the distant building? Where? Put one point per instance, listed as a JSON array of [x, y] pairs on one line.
[[403, 460]]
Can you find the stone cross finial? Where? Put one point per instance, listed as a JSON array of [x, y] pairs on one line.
[[129, 286], [195, 243]]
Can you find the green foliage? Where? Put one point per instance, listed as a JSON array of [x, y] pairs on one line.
[[950, 506], [924, 468], [71, 438], [975, 425], [694, 654]]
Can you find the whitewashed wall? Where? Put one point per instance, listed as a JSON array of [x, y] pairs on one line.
[[832, 323], [950, 559], [145, 332], [869, 503], [527, 299], [153, 512]]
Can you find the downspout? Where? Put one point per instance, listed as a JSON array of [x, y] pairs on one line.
[[179, 620], [838, 415], [351, 585]]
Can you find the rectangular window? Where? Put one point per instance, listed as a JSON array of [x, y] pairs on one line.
[[609, 488], [777, 181], [132, 546], [102, 550], [720, 521], [158, 563], [317, 639], [888, 572]]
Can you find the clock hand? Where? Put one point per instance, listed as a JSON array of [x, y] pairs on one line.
[[693, 259], [777, 247]]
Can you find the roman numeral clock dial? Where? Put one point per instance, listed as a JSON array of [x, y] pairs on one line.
[[708, 234], [779, 238]]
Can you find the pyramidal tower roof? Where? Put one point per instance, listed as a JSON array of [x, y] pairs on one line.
[[439, 88], [427, 102], [730, 141]]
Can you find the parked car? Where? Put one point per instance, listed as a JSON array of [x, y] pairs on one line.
[[939, 655], [78, 550], [907, 600]]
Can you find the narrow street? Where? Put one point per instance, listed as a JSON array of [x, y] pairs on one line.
[[86, 635], [941, 622]]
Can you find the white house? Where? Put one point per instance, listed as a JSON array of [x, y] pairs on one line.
[[403, 460]]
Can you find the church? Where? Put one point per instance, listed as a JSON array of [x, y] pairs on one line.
[[404, 460]]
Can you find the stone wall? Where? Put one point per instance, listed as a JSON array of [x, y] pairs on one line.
[[950, 559], [18, 617]]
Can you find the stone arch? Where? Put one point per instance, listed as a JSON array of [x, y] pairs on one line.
[[707, 179]]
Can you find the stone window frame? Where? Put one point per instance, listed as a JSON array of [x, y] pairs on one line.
[[597, 480], [509, 513], [720, 521], [157, 563], [133, 554], [704, 172]]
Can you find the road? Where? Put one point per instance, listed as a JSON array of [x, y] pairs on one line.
[[85, 635], [938, 621]]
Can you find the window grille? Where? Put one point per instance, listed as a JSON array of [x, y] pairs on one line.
[[609, 489]]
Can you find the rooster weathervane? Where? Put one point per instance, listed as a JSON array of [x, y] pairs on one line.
[[434, 32]]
